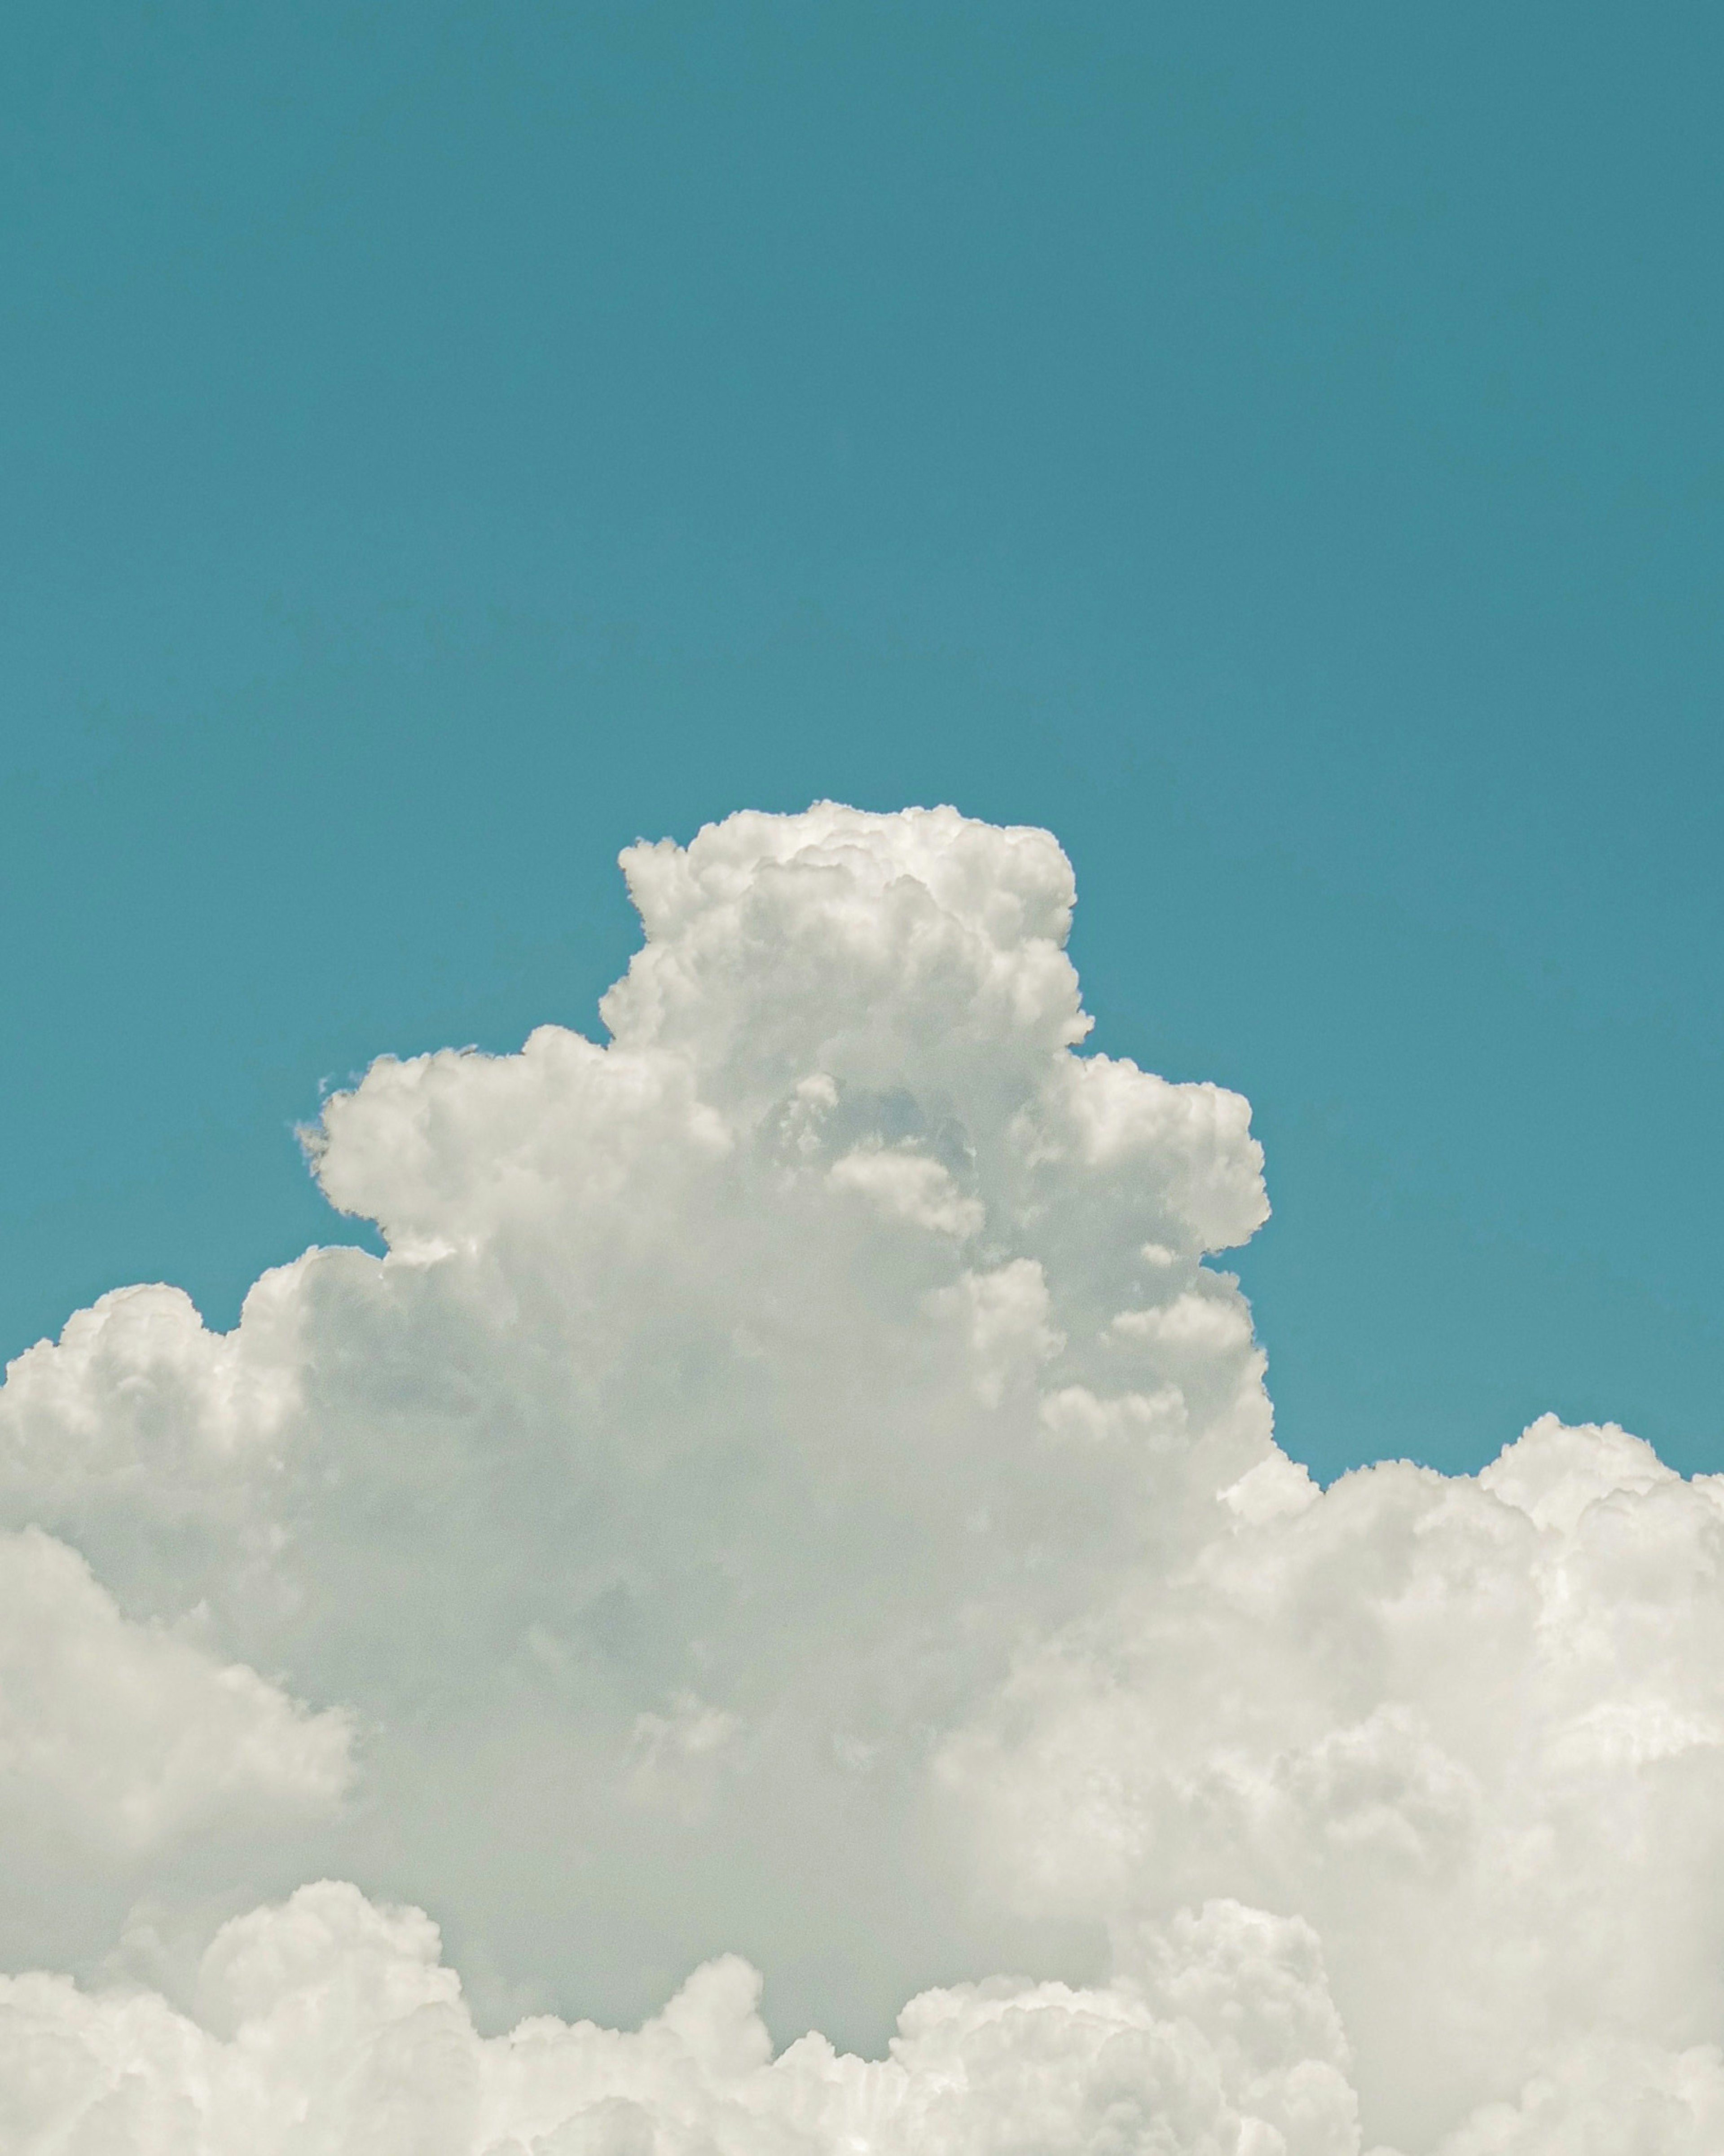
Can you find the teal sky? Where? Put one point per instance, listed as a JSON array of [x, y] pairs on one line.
[[1280, 450]]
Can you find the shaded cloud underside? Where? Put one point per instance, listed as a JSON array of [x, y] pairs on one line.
[[796, 1485]]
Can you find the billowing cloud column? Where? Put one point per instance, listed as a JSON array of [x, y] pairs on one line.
[[795, 1485]]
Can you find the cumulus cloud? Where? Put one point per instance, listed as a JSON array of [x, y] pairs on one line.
[[126, 1736], [330, 2024], [796, 1486]]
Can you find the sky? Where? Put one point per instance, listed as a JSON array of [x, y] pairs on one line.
[[1279, 454], [1032, 1467]]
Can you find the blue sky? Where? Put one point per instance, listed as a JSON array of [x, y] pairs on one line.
[[1281, 452]]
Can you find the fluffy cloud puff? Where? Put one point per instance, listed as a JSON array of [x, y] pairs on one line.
[[119, 1738], [329, 2024], [795, 1485]]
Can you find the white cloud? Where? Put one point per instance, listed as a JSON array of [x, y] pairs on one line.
[[1470, 1729], [794, 1484], [908, 1186], [328, 2024], [117, 1739]]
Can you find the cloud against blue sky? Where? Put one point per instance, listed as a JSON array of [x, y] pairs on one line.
[[1278, 449], [798, 1496]]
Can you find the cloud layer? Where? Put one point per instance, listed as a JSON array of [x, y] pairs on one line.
[[795, 1487]]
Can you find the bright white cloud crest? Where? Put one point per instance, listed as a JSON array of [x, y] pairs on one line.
[[794, 1486]]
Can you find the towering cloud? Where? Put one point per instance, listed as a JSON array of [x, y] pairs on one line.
[[795, 1488]]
